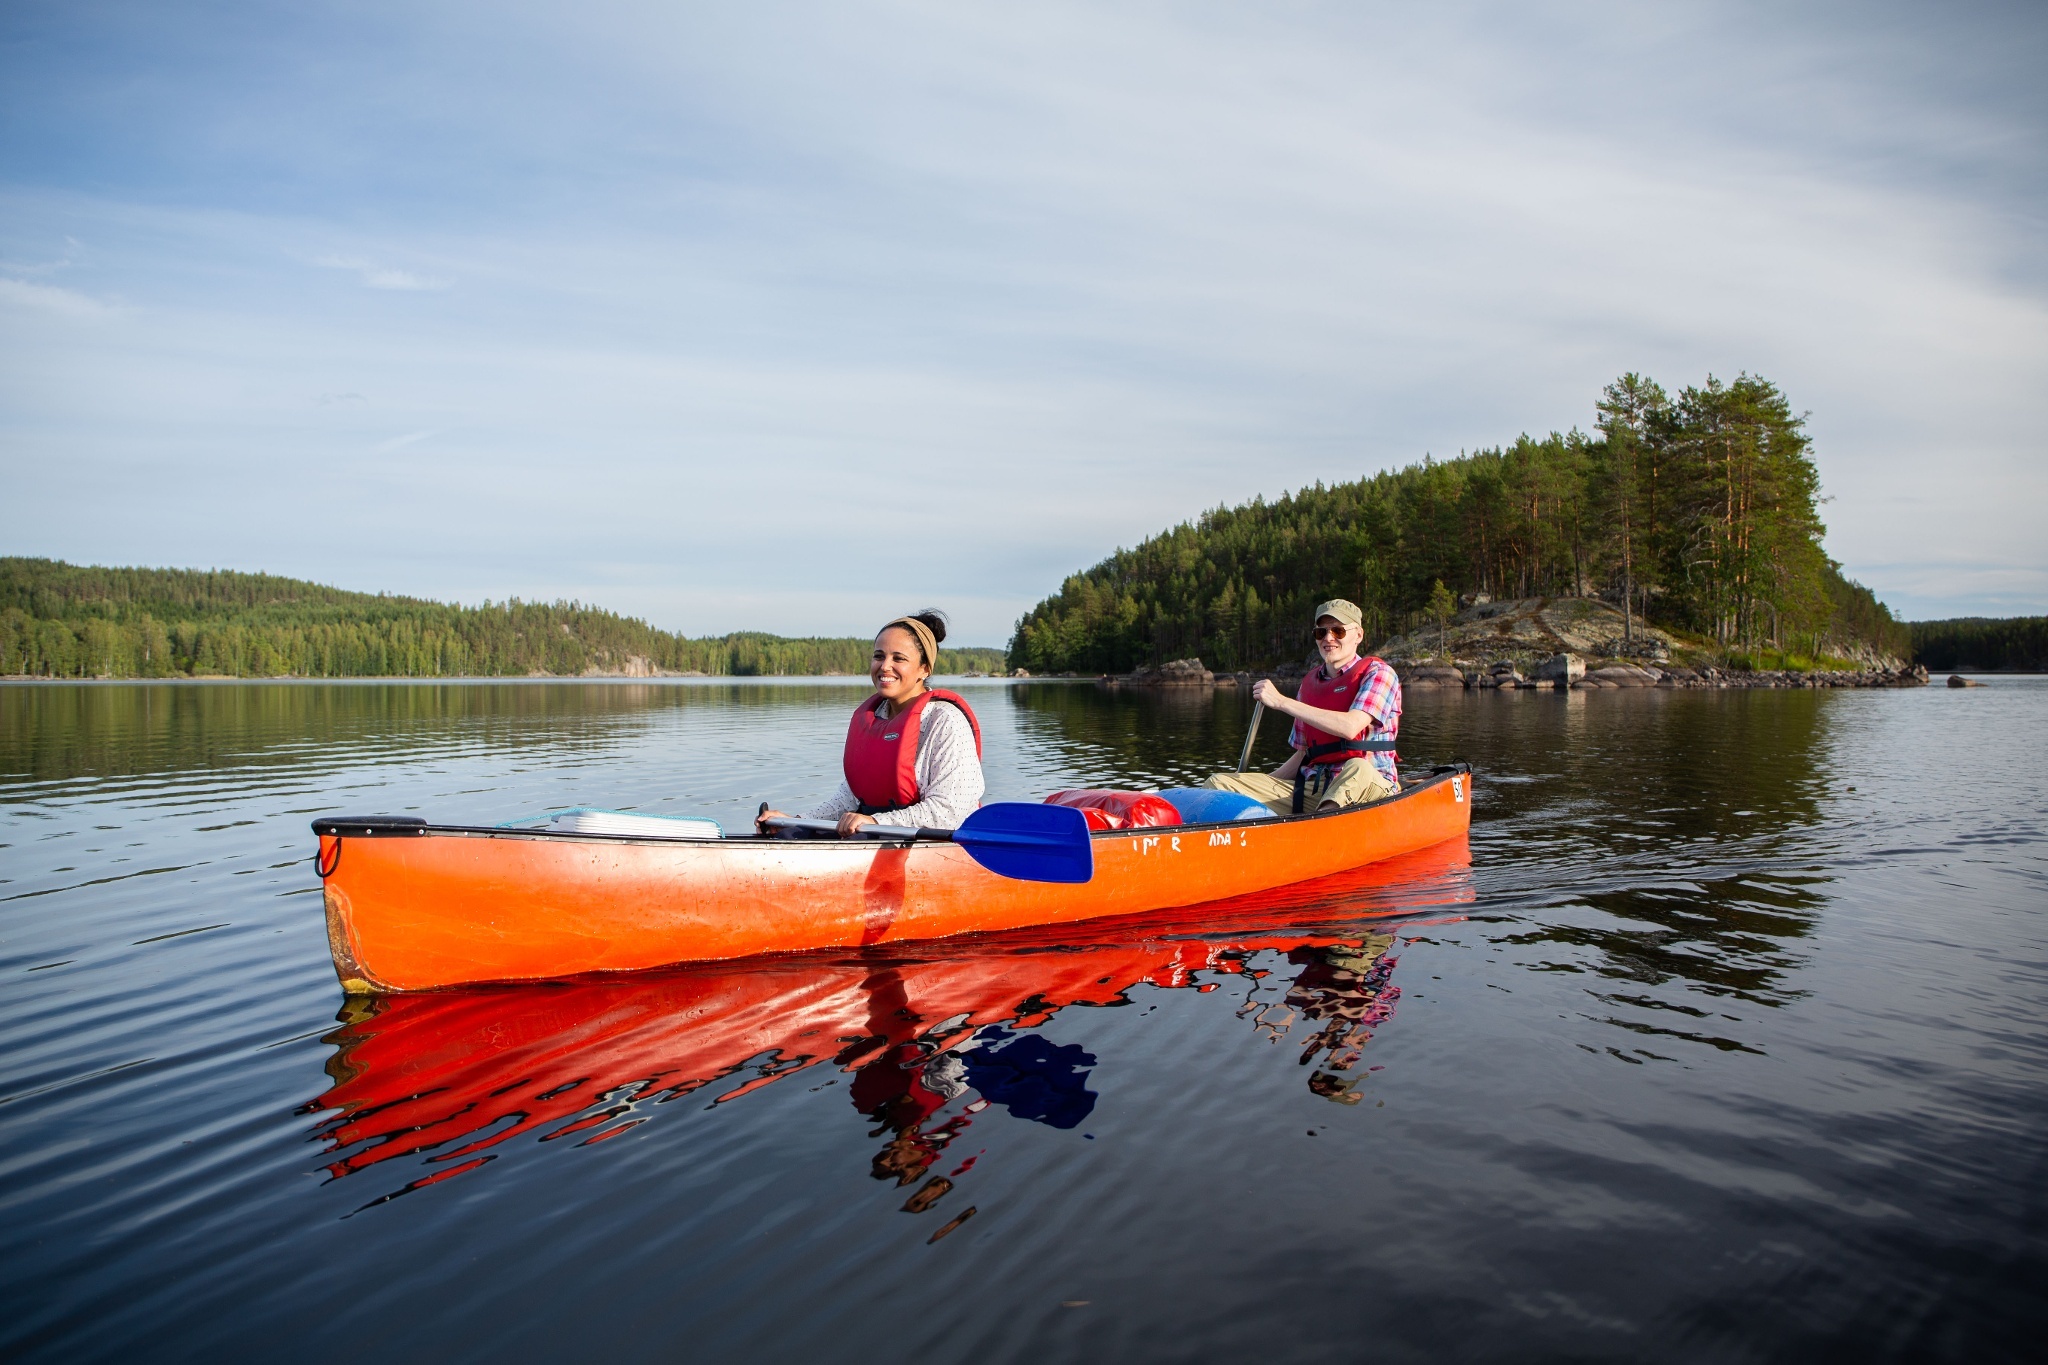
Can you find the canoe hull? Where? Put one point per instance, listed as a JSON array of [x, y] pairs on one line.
[[423, 909]]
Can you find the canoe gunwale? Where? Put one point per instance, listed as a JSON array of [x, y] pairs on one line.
[[356, 827]]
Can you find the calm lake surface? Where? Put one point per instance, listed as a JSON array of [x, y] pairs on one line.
[[1724, 1039]]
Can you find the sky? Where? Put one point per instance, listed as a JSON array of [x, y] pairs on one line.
[[792, 317]]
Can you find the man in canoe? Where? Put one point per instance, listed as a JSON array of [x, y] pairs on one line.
[[913, 751], [1343, 702]]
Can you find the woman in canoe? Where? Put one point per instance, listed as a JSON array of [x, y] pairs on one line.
[[913, 751]]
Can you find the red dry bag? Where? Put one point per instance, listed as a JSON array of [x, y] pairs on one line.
[[1104, 809]]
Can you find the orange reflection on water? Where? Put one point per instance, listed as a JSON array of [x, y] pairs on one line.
[[457, 1073]]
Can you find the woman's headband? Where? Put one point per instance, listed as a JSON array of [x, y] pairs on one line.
[[925, 639]]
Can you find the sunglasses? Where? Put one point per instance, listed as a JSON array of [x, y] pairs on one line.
[[1334, 632]]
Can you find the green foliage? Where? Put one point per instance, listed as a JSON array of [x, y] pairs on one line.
[[1858, 616], [1441, 607], [1699, 513], [59, 620], [2014, 643]]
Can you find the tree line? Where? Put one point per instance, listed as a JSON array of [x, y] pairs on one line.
[[60, 620], [2017, 644], [1697, 512]]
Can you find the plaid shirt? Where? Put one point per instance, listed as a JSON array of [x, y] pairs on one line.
[[1379, 697]]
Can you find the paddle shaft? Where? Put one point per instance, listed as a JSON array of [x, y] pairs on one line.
[[865, 831]]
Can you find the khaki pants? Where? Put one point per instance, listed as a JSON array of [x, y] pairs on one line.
[[1354, 783]]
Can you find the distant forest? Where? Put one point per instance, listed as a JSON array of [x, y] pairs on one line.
[[59, 620], [2017, 644], [1697, 512]]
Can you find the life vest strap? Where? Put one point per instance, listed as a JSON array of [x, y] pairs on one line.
[[1319, 755]]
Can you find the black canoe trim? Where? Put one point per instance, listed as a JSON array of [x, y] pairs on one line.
[[361, 825]]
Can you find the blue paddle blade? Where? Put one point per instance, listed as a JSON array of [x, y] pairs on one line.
[[1030, 843]]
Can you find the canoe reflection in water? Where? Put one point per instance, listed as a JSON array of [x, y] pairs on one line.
[[934, 1035]]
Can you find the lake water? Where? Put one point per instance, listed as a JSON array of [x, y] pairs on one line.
[[1722, 1040]]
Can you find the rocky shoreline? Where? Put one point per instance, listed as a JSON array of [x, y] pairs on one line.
[[1577, 644], [1567, 672], [1560, 672]]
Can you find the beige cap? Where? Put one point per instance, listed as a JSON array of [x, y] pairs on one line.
[[1347, 612]]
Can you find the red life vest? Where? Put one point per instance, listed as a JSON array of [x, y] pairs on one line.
[[1333, 694], [881, 755]]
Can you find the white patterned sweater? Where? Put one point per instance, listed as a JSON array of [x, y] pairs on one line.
[[949, 782]]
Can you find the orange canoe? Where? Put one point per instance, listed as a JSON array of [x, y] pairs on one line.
[[416, 907]]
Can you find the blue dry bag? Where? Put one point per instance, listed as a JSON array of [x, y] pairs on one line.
[[1205, 806]]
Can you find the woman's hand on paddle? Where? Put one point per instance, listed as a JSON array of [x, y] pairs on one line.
[[767, 814], [850, 823]]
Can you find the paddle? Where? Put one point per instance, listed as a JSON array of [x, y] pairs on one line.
[[1245, 755], [1011, 839]]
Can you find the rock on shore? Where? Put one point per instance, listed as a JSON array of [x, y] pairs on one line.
[[1534, 628], [1179, 673]]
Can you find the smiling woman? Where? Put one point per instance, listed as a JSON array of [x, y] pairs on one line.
[[908, 753]]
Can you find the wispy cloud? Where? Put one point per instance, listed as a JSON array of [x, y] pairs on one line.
[[376, 276], [719, 292], [22, 285], [42, 269], [51, 300]]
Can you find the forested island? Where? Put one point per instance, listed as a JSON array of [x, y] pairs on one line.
[[1697, 513], [60, 620]]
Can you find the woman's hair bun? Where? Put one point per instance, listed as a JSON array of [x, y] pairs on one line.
[[935, 619]]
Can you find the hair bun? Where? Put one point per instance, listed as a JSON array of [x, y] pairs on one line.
[[935, 620]]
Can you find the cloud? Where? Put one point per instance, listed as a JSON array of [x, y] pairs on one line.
[[51, 300], [749, 297], [381, 277], [401, 442]]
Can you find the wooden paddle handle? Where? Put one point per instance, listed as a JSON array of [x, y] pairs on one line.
[[1245, 755]]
